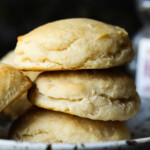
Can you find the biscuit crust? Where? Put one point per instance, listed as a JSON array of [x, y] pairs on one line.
[[39, 125], [73, 44], [9, 59], [15, 109], [95, 94], [13, 85]]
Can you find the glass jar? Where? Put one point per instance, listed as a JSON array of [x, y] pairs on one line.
[[140, 66]]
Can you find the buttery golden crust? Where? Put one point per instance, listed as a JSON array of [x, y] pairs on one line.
[[15, 109], [9, 59], [95, 94], [39, 125], [73, 44], [13, 85]]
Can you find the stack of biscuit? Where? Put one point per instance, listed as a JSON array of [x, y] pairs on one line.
[[79, 96]]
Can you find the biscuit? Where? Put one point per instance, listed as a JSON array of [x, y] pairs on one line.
[[73, 44], [39, 125], [13, 85], [95, 94], [17, 108], [9, 59]]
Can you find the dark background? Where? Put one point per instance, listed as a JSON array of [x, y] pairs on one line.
[[18, 17]]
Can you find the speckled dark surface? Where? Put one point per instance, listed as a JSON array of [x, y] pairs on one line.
[[140, 125]]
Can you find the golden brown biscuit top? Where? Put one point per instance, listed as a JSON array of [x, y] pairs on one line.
[[68, 31], [73, 44], [59, 35]]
